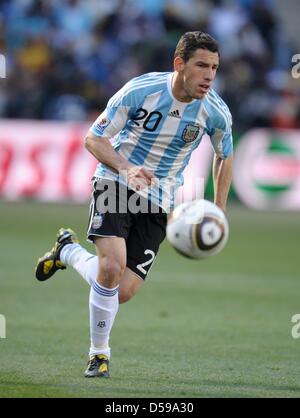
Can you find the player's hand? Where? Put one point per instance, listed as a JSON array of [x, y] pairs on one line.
[[139, 177]]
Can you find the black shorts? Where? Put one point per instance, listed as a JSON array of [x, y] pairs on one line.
[[143, 231]]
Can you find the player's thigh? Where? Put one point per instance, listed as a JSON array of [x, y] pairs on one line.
[[146, 235], [108, 230], [129, 285], [111, 247], [112, 255]]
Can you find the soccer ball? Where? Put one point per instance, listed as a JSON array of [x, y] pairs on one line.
[[198, 229]]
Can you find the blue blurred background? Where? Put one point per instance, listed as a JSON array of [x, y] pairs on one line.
[[65, 58]]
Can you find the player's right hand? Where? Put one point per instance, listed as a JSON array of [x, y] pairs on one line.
[[138, 177]]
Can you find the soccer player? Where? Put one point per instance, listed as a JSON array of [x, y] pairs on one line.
[[156, 121]]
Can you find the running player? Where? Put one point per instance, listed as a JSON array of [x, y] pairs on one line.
[[156, 121]]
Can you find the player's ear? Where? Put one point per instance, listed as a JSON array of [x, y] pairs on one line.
[[178, 64]]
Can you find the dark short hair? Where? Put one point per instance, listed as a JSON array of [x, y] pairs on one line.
[[191, 41]]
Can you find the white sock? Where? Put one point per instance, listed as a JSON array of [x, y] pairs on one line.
[[85, 263], [104, 304]]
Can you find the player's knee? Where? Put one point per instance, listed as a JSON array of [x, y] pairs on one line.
[[111, 269]]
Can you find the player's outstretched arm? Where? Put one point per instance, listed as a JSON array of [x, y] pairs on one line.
[[222, 175]]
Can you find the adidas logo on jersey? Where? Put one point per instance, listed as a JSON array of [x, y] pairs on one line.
[[175, 114]]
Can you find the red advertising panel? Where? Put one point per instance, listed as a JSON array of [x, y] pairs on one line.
[[47, 161], [44, 160]]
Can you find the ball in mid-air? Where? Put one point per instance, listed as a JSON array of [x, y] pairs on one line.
[[198, 229]]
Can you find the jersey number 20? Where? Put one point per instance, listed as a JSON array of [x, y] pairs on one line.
[[150, 120]]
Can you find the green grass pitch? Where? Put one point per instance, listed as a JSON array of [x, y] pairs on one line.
[[214, 328]]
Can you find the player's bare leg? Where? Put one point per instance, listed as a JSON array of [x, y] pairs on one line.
[[88, 264], [129, 285], [104, 302], [110, 284]]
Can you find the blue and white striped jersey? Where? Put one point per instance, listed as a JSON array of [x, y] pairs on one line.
[[151, 128]]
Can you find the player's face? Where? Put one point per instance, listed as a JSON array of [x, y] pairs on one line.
[[197, 74]]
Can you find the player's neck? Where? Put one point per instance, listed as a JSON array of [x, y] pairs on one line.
[[178, 91]]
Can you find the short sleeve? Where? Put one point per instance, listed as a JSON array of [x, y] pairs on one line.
[[221, 132], [118, 111]]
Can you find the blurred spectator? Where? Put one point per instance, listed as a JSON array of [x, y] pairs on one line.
[[34, 56], [73, 19], [65, 58]]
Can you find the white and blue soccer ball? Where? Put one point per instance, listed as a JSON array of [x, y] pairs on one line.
[[198, 229]]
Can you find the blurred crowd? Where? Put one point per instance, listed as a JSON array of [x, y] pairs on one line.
[[65, 58]]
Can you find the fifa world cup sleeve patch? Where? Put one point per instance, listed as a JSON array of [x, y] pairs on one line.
[[101, 125]]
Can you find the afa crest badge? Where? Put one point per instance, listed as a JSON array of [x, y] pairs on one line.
[[97, 221], [190, 132]]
